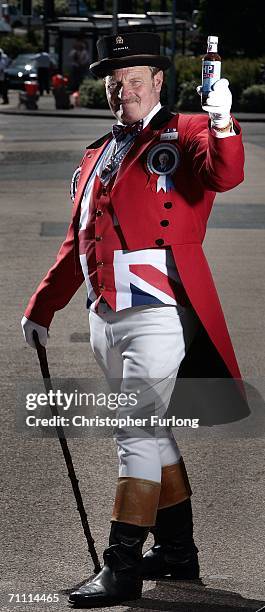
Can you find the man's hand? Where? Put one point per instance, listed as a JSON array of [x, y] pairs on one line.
[[28, 328], [218, 103]]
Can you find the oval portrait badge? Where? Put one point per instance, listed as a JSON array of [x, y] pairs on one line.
[[163, 159], [74, 182]]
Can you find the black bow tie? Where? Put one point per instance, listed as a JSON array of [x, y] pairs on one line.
[[120, 131]]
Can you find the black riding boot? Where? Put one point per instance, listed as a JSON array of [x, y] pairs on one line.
[[119, 580], [174, 552]]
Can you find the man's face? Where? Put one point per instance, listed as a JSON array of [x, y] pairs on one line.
[[133, 92], [163, 159]]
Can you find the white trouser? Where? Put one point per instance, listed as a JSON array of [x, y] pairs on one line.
[[147, 344]]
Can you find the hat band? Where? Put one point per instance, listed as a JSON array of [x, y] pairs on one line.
[[125, 51]]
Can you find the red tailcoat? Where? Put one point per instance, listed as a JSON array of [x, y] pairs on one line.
[[207, 165]]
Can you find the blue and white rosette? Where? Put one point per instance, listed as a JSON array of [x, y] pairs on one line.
[[165, 183], [163, 160]]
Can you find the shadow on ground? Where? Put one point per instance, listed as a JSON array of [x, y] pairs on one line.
[[192, 596]]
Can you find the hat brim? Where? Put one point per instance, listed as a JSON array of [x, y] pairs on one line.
[[106, 66]]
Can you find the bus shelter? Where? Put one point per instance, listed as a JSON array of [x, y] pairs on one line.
[[64, 33]]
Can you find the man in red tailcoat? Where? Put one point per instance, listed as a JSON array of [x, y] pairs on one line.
[[142, 197]]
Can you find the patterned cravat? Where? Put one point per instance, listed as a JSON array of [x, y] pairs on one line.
[[120, 131], [127, 133]]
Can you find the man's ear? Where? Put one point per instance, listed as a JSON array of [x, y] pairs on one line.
[[158, 80]]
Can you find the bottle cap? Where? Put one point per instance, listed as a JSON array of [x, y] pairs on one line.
[[212, 40]]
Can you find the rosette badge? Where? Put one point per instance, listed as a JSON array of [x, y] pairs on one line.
[[163, 159]]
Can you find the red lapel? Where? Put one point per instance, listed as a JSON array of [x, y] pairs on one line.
[[87, 168]]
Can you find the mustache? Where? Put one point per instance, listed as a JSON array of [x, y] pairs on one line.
[[128, 100], [123, 101]]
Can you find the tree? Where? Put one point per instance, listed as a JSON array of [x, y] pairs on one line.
[[240, 24]]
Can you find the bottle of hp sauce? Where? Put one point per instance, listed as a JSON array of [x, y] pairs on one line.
[[211, 67]]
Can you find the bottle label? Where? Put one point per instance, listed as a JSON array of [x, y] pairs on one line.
[[211, 72], [212, 47]]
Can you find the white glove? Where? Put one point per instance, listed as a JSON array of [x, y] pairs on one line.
[[218, 103], [28, 327]]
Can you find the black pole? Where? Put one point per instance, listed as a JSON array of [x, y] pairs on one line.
[[46, 38], [147, 6], [115, 18], [42, 355], [48, 16], [184, 39], [172, 75]]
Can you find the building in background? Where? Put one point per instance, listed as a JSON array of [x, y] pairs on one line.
[[63, 34]]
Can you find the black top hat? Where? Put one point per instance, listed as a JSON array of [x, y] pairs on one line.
[[126, 50]]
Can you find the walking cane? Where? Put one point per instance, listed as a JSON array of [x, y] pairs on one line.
[[42, 355]]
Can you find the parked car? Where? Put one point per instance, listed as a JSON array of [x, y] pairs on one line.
[[23, 68]]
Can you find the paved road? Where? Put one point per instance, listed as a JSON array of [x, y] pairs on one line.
[[42, 541]]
